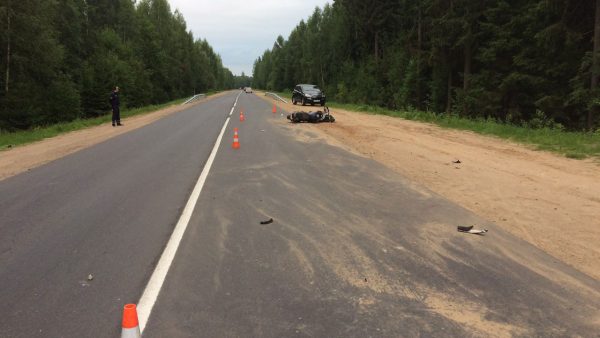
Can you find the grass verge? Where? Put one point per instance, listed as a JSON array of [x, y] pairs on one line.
[[577, 145], [12, 139]]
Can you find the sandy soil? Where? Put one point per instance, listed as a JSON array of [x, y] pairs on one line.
[[551, 201], [22, 158]]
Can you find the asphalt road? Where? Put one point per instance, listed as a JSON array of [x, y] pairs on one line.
[[107, 211], [354, 250]]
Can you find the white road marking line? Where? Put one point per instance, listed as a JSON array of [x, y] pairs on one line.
[[157, 279]]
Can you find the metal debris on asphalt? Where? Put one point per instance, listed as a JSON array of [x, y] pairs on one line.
[[90, 277], [267, 222], [470, 230]]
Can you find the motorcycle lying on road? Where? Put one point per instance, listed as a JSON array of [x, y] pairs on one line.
[[311, 117]]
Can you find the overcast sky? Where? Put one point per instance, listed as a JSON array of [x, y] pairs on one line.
[[240, 31]]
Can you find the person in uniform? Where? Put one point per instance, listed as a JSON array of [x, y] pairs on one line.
[[116, 110]]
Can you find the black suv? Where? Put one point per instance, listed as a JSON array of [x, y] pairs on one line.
[[307, 93]]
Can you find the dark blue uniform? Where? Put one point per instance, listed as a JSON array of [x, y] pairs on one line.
[[116, 111]]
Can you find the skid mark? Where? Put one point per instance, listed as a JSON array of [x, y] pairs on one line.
[[221, 245], [302, 260]]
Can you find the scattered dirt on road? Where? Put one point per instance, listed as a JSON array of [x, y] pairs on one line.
[[470, 315], [18, 159], [551, 201], [548, 200]]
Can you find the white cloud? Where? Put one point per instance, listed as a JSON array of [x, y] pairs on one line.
[[240, 31]]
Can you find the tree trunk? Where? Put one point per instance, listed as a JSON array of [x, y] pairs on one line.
[[376, 46], [449, 94], [419, 47], [467, 71], [595, 65], [322, 77], [6, 86]]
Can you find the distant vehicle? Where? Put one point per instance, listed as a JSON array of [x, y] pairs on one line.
[[308, 93], [248, 90]]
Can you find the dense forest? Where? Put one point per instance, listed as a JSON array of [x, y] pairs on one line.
[[61, 58], [518, 61]]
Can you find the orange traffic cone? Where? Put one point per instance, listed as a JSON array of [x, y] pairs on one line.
[[274, 109], [236, 140], [242, 117], [130, 326]]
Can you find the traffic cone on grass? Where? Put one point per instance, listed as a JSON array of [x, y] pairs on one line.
[[130, 325], [236, 140]]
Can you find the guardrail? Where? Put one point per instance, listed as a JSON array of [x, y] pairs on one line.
[[194, 98], [276, 96]]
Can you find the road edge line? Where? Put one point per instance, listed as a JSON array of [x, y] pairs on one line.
[[152, 289]]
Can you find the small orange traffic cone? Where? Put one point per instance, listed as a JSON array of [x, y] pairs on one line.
[[274, 109], [242, 117], [130, 326], [236, 140]]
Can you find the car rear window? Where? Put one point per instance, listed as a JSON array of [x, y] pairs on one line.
[[311, 88]]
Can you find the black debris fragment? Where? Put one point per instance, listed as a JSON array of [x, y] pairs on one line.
[[457, 161], [269, 221]]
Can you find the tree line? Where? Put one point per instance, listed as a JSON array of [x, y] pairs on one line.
[[61, 58], [243, 80], [533, 62]]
